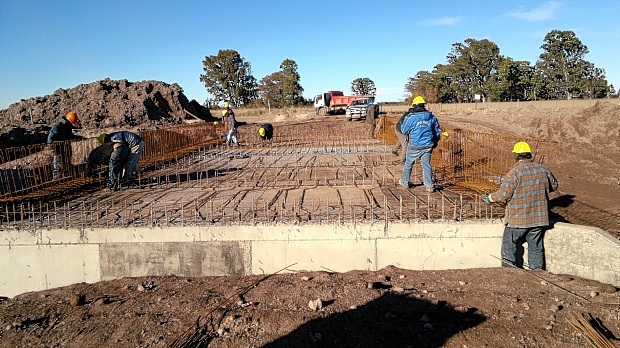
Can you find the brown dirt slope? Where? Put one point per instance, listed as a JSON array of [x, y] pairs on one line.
[[587, 160]]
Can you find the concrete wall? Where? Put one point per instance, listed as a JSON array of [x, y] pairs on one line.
[[32, 261]]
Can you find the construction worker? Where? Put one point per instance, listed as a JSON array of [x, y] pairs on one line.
[[57, 139], [113, 154], [401, 139], [371, 115], [229, 116], [525, 191], [265, 133], [423, 131], [136, 146]]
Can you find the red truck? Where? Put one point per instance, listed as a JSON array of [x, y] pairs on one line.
[[333, 102]]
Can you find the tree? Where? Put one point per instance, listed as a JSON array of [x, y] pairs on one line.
[[474, 66], [562, 62], [228, 76], [593, 82], [291, 88], [435, 87], [363, 86], [282, 88], [270, 89], [513, 81]]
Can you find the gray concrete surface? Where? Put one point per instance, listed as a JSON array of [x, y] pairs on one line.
[[51, 258]]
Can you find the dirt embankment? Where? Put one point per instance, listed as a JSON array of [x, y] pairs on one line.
[[102, 104], [586, 160]]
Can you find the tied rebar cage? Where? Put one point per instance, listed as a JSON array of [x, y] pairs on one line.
[[313, 173]]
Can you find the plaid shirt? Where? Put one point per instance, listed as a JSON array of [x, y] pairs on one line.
[[525, 189]]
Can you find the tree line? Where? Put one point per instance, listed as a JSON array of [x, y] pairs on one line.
[[475, 71]]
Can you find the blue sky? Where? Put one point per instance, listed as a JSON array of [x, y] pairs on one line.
[[48, 45]]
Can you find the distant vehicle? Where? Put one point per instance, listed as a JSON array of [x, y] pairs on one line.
[[359, 108], [333, 102]]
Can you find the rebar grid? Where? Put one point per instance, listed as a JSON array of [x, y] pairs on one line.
[[322, 174]]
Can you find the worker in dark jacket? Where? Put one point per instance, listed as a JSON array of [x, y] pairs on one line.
[[265, 133], [134, 143], [112, 154], [371, 116], [57, 139], [422, 129], [525, 191], [229, 116]]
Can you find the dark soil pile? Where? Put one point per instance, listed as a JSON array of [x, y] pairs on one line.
[[102, 104]]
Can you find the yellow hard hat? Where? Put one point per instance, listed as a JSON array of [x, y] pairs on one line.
[[261, 131], [224, 112], [72, 117], [445, 134], [418, 100], [521, 147], [101, 138], [216, 123]]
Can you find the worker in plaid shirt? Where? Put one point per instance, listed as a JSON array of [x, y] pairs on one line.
[[525, 191]]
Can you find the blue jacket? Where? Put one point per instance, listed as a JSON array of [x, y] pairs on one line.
[[129, 138], [422, 128]]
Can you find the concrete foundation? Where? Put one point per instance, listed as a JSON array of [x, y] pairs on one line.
[[52, 258]]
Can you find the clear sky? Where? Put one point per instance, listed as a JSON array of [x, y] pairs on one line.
[[46, 45]]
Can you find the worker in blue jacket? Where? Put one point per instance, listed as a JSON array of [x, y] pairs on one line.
[[423, 130]]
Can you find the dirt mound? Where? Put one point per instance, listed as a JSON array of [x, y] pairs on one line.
[[102, 104]]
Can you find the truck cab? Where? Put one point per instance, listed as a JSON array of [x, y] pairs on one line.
[[359, 108], [323, 102]]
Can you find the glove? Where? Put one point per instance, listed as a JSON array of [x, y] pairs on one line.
[[486, 199]]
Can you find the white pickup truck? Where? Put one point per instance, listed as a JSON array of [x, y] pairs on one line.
[[359, 108]]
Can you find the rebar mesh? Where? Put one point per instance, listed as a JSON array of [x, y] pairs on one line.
[[315, 172]]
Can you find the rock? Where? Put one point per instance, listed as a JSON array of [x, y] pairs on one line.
[[305, 279], [461, 283], [398, 289], [402, 276], [549, 327], [141, 287], [315, 305], [100, 302], [544, 283], [608, 288], [594, 293], [77, 300], [462, 309], [555, 308]]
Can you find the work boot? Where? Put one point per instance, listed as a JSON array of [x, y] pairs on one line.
[[401, 183]]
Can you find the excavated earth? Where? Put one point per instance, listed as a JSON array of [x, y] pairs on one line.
[[391, 307]]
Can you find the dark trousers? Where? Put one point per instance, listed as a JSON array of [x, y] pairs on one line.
[[512, 247]]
